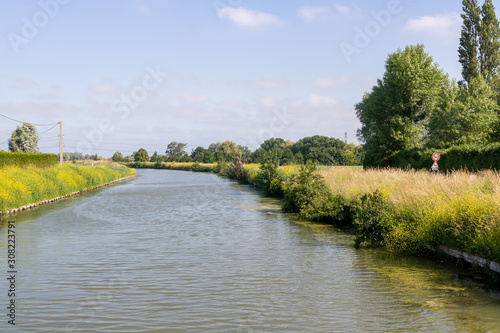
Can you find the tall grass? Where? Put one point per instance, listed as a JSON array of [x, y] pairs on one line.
[[459, 209], [23, 186]]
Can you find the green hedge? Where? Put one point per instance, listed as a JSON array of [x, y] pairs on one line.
[[472, 158], [26, 159]]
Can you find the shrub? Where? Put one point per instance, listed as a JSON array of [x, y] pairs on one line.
[[28, 159]]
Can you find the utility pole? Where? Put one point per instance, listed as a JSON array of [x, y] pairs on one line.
[[60, 144], [345, 137]]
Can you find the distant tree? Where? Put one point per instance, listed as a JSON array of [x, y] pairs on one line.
[[208, 157], [175, 150], [198, 154], [321, 150], [154, 157], [394, 114], [141, 155], [24, 139], [117, 157]]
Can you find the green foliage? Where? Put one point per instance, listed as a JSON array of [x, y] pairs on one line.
[[394, 114], [141, 155], [321, 150], [26, 185], [236, 169], [117, 157], [467, 157], [175, 151], [469, 40], [154, 157], [268, 178], [307, 194], [373, 219], [463, 116], [28, 159], [24, 139]]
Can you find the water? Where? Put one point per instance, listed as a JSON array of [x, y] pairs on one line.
[[174, 251]]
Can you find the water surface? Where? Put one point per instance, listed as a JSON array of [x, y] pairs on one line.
[[174, 251]]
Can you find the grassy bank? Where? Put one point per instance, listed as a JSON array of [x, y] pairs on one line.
[[405, 211], [22, 186]]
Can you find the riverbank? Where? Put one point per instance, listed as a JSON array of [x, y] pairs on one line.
[[24, 188], [414, 212]]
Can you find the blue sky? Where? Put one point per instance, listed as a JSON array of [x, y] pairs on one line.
[[127, 74]]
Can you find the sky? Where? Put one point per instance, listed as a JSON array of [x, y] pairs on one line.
[[127, 74]]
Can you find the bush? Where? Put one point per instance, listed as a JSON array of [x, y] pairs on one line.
[[307, 194], [373, 219], [28, 159]]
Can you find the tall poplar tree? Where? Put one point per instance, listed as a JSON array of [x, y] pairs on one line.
[[489, 42], [469, 40], [479, 50]]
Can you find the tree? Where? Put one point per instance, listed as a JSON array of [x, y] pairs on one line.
[[198, 154], [154, 157], [141, 155], [321, 150], [394, 114], [479, 51], [463, 116], [175, 150], [24, 139], [489, 42], [117, 157], [469, 40]]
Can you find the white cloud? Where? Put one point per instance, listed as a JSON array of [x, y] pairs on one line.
[[268, 102], [310, 13], [343, 9], [329, 83], [194, 99], [107, 85], [442, 25], [271, 83], [322, 101], [248, 18]]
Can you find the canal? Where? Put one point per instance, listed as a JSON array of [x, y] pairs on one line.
[[174, 251]]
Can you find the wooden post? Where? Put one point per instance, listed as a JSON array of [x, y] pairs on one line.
[[60, 144]]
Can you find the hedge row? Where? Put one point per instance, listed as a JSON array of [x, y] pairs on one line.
[[27, 159], [472, 158]]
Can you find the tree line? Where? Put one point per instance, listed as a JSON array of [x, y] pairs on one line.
[[318, 149], [415, 105]]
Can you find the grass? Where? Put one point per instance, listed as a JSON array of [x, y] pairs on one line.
[[459, 209], [27, 185]]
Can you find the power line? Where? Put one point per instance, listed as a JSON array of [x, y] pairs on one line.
[[48, 129], [22, 122]]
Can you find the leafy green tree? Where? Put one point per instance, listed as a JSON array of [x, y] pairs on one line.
[[479, 51], [176, 150], [469, 39], [24, 139], [208, 157], [141, 155], [154, 157], [489, 42], [117, 157], [321, 150], [198, 154], [394, 114], [463, 116]]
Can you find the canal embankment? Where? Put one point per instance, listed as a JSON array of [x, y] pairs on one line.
[[29, 187]]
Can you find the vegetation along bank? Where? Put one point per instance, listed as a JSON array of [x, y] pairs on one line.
[[25, 186]]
